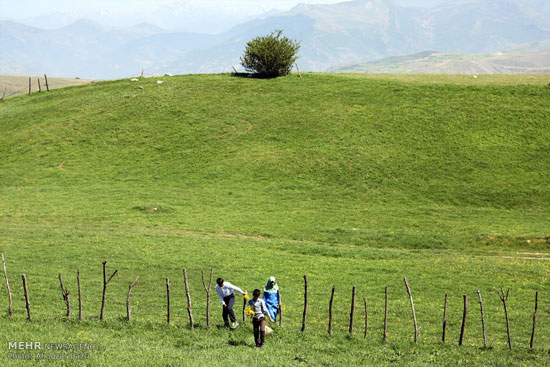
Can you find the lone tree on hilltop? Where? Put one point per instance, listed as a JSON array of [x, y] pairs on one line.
[[270, 56]]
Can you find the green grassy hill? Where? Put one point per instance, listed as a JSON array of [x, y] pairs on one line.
[[328, 158], [353, 180]]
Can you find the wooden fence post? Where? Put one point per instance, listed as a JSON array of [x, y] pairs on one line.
[[330, 312], [366, 318], [105, 282], [298, 69], [191, 322], [305, 305], [482, 320], [504, 297], [207, 290], [128, 307], [168, 300], [280, 308], [65, 294], [39, 86], [29, 86], [413, 312], [352, 312], [463, 327], [27, 302], [10, 310], [79, 295], [244, 310], [47, 85], [532, 342], [444, 320], [384, 339]]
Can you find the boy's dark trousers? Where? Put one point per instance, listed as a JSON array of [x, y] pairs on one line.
[[259, 331], [228, 310]]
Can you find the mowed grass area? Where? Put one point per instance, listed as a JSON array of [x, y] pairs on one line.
[[352, 180], [15, 85]]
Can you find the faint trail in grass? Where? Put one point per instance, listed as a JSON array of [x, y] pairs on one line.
[[234, 132]]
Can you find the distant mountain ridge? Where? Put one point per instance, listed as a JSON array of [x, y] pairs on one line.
[[330, 35]]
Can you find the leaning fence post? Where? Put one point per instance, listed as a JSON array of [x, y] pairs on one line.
[[482, 319], [105, 282], [532, 342], [504, 297], [330, 312], [10, 311], [27, 302], [305, 304], [65, 294], [463, 327], [47, 86], [128, 307], [191, 322], [298, 69], [207, 290], [352, 312], [39, 86], [444, 320], [413, 312]]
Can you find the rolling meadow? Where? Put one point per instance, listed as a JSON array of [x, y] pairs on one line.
[[352, 180]]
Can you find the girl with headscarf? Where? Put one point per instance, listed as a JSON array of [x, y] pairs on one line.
[[270, 297]]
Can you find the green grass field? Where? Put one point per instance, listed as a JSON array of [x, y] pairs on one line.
[[350, 179]]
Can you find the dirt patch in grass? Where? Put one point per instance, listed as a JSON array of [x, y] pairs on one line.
[[509, 241], [154, 209]]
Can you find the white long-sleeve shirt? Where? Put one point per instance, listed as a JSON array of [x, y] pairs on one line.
[[227, 290]]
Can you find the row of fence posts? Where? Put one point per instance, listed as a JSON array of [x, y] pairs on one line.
[[39, 84], [65, 294], [30, 87]]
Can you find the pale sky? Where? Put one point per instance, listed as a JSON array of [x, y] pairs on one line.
[[22, 9]]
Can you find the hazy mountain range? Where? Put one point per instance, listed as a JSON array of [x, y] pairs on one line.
[[330, 35]]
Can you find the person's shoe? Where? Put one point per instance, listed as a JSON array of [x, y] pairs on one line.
[[234, 325], [260, 346]]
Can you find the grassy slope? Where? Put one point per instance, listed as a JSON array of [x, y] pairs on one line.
[[352, 180]]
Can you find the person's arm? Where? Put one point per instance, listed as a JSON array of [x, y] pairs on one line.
[[219, 291], [266, 312], [234, 287]]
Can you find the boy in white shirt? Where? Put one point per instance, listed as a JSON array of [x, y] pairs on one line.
[[227, 298], [258, 321]]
